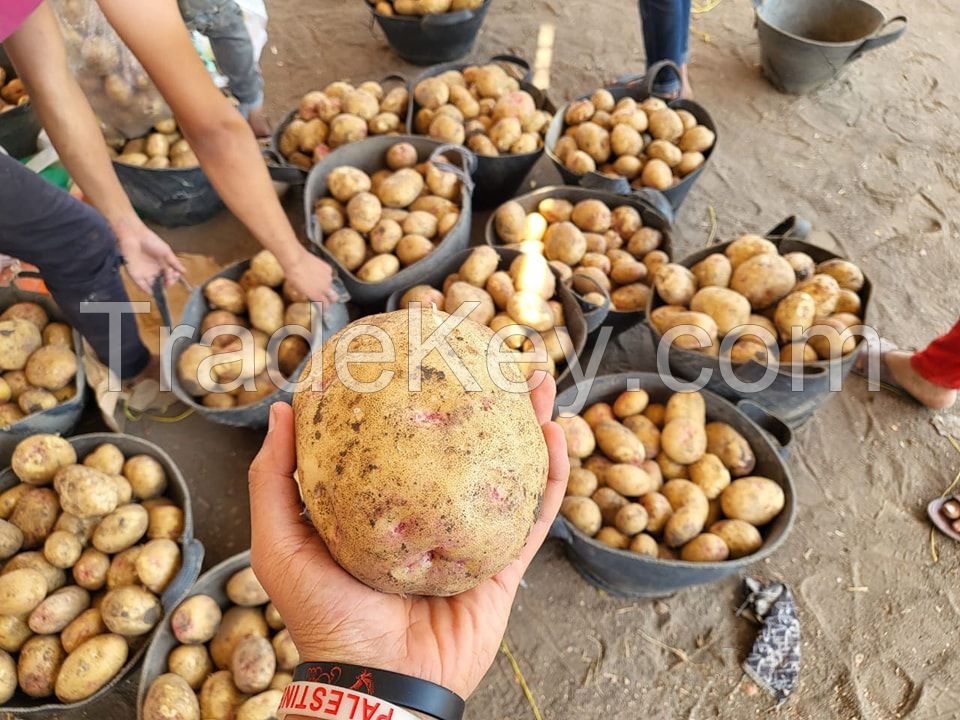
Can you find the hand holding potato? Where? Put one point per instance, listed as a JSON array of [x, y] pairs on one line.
[[332, 616]]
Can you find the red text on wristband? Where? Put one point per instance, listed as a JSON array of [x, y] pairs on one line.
[[328, 702]]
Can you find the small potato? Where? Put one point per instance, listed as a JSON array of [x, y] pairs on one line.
[[58, 610], [848, 302], [794, 315], [644, 544], [383, 239], [36, 400], [260, 707], [196, 619], [530, 310], [245, 590], [90, 570], [39, 664], [35, 515], [802, 264], [11, 539], [631, 519], [253, 664], [741, 538], [344, 182], [676, 284], [237, 623], [62, 549], [14, 632], [710, 475], [746, 247], [656, 413], [423, 294], [847, 275], [731, 447], [580, 439], [171, 697], [479, 266], [123, 568], [288, 657], [146, 476], [609, 501], [379, 268], [658, 510], [683, 440], [697, 139], [420, 223], [618, 443], [192, 663], [166, 521], [347, 247], [500, 288], [265, 309], [86, 625], [705, 547], [401, 155], [158, 563], [797, 354], [665, 124], [611, 537], [272, 616], [21, 591], [647, 432], [630, 298], [225, 294], [825, 291], [130, 611], [688, 519], [479, 310], [219, 697], [509, 221], [121, 529], [628, 480], [581, 483], [689, 163], [413, 248], [597, 413], [831, 338], [756, 500], [106, 458]]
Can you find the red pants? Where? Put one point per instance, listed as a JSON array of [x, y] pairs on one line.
[[939, 363]]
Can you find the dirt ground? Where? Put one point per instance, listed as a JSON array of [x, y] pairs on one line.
[[870, 161]]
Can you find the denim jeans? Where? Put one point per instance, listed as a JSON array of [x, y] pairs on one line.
[[222, 22], [666, 35], [76, 252]]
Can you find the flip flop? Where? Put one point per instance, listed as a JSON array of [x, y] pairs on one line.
[[934, 511], [873, 349]]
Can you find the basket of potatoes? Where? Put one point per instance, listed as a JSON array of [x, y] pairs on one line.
[[747, 296], [514, 290], [425, 32], [225, 653], [668, 490], [494, 110], [386, 210], [625, 137], [338, 115], [243, 336], [19, 126], [42, 385], [98, 547], [604, 247], [163, 178]]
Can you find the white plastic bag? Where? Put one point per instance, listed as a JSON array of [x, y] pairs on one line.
[[113, 80], [255, 18]]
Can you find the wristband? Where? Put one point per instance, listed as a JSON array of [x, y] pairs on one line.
[[329, 702], [407, 692]]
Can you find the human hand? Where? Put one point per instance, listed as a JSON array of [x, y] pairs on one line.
[[147, 256], [331, 616], [312, 277]]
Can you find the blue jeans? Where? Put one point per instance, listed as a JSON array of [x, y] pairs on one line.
[[76, 253], [666, 35]]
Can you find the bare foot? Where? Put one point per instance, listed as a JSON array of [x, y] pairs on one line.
[[923, 391], [686, 92], [257, 119]]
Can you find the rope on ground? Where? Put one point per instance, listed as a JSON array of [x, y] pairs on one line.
[[714, 227], [527, 693], [137, 417]]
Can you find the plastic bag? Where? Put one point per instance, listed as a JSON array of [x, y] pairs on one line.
[[114, 81]]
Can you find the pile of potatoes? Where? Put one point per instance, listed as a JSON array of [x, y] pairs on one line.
[[424, 7], [232, 663], [752, 292], [163, 148], [262, 301], [661, 481], [12, 92], [88, 548], [597, 251], [648, 143], [374, 225], [482, 107], [341, 114], [522, 299], [38, 361]]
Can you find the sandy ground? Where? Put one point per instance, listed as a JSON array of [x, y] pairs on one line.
[[872, 161]]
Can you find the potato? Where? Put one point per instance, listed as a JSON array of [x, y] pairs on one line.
[[225, 294], [731, 447], [36, 400], [756, 500], [146, 476], [684, 441], [676, 284], [192, 663], [346, 129], [29, 311], [21, 590], [196, 619], [58, 610], [658, 510], [848, 302], [565, 242], [461, 292], [85, 491], [158, 563], [265, 309], [19, 340], [123, 568], [423, 294], [11, 539], [253, 664], [630, 298], [401, 155], [697, 139], [384, 123], [245, 590], [705, 547], [479, 266], [628, 480], [763, 279], [824, 290], [695, 330], [37, 458], [802, 264], [38, 665], [646, 431], [618, 443], [665, 124], [401, 188], [611, 537], [347, 247], [797, 354], [794, 315], [689, 163], [237, 623], [741, 538], [272, 616], [219, 697], [421, 223], [582, 482], [130, 610], [499, 286], [121, 529], [188, 369], [90, 569], [62, 549], [14, 632], [690, 510], [847, 275], [591, 280], [260, 707], [665, 151], [170, 697], [830, 338], [344, 182], [631, 519], [288, 657], [580, 439], [710, 475], [580, 163], [84, 626], [35, 515], [729, 309], [644, 544], [609, 501], [530, 310], [431, 93], [166, 522], [135, 159], [746, 247]]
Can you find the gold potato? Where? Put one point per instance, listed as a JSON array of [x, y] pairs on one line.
[[62, 549], [196, 619], [253, 664], [683, 440], [676, 284], [85, 492], [582, 482], [480, 308], [609, 501], [756, 500], [39, 665], [170, 697], [157, 564], [580, 439], [37, 458], [86, 625], [479, 266], [729, 309], [90, 570], [618, 443], [705, 547], [824, 290], [237, 623], [192, 663], [710, 475], [379, 268], [631, 519], [130, 610], [58, 610], [731, 447], [740, 537], [35, 515], [583, 513], [244, 589], [847, 275]]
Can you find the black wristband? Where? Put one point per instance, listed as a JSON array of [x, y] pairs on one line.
[[409, 692]]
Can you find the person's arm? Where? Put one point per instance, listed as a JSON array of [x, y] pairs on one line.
[[36, 50], [218, 134]]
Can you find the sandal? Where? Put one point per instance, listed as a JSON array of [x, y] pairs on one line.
[[941, 518], [871, 354]]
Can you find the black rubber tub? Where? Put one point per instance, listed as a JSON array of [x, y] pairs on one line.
[[62, 419], [627, 574], [639, 91], [254, 415], [655, 212], [497, 178], [211, 583], [18, 127], [21, 705], [573, 314], [171, 197], [434, 38], [367, 155], [794, 406]]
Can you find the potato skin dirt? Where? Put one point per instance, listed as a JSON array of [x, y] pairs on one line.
[[420, 493]]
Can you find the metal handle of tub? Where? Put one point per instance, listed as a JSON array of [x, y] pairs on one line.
[[658, 201], [513, 60], [790, 228], [595, 317], [280, 170], [468, 162], [654, 72], [192, 562], [447, 19], [773, 426], [872, 43]]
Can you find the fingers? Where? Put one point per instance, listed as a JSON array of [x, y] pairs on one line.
[[543, 397], [174, 262]]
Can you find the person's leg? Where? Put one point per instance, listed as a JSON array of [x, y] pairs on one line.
[[76, 253], [666, 25], [931, 376]]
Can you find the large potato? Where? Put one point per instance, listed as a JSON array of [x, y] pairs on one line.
[[731, 447], [39, 665], [705, 547], [824, 290], [37, 458], [121, 529], [85, 492], [628, 480], [245, 590], [219, 697], [19, 339], [35, 515], [196, 619], [583, 513], [170, 697], [729, 309], [401, 188], [225, 294], [756, 500], [480, 308], [618, 443], [265, 307], [847, 275], [794, 315], [253, 664], [565, 242], [21, 591], [345, 182], [130, 611], [379, 268], [763, 279], [675, 284]]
